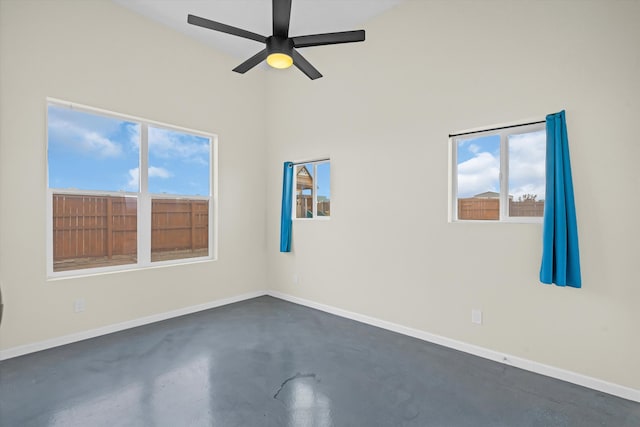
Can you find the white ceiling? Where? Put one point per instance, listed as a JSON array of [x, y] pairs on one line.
[[307, 17]]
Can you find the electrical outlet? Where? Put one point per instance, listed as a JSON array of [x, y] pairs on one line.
[[79, 305], [476, 316]]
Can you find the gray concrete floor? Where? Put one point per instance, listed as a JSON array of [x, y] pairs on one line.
[[266, 362]]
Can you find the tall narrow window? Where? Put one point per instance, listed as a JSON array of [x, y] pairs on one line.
[[323, 192], [527, 173], [499, 175], [124, 191], [478, 178], [312, 190], [94, 217], [179, 165]]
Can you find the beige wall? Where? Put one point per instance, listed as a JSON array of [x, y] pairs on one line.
[[100, 54], [383, 112]]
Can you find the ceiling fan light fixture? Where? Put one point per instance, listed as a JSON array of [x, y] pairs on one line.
[[280, 49], [279, 60]]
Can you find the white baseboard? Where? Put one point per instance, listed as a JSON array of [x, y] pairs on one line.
[[518, 362], [80, 336]]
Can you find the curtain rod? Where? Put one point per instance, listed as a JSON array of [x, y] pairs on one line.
[[451, 135], [310, 161]]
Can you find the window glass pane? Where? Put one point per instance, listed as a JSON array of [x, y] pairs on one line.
[[91, 157], [304, 190], [91, 152], [93, 231], [179, 229], [179, 163], [323, 189], [527, 174], [478, 177]]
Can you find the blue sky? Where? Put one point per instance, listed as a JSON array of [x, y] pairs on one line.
[[92, 152], [479, 164], [323, 181]]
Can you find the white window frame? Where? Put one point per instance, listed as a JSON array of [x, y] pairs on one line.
[[314, 192], [143, 197], [504, 131]]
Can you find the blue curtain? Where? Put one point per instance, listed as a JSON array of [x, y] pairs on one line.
[[287, 202], [560, 255]]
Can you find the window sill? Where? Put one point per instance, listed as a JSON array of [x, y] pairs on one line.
[[92, 272]]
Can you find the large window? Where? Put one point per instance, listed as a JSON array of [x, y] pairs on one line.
[[312, 190], [498, 174], [125, 192]]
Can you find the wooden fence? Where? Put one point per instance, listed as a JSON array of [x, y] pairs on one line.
[[526, 208], [95, 231], [179, 227], [489, 209], [481, 209], [304, 207]]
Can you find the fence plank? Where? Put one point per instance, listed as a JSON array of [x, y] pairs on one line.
[[109, 228], [102, 230], [489, 209], [479, 209], [193, 225]]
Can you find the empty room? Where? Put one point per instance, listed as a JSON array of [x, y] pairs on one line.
[[319, 213]]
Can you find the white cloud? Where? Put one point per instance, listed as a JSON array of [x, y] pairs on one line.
[[527, 164], [85, 140], [103, 146], [134, 179], [156, 172], [171, 144], [133, 131], [481, 172], [474, 148], [478, 174], [537, 190]]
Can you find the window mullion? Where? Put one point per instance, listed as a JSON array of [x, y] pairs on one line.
[[453, 180], [504, 177], [294, 193], [50, 224], [314, 196], [144, 200]]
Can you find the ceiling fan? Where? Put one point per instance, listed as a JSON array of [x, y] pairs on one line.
[[280, 50]]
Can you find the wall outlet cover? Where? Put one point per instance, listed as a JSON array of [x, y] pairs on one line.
[[476, 316]]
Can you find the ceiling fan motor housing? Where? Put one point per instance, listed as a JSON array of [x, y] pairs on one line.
[[279, 45]]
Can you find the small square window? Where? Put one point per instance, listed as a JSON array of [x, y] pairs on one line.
[[499, 174], [312, 190]]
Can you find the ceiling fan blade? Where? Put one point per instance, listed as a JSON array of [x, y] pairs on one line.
[[328, 38], [251, 62], [224, 28], [281, 17], [305, 66]]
